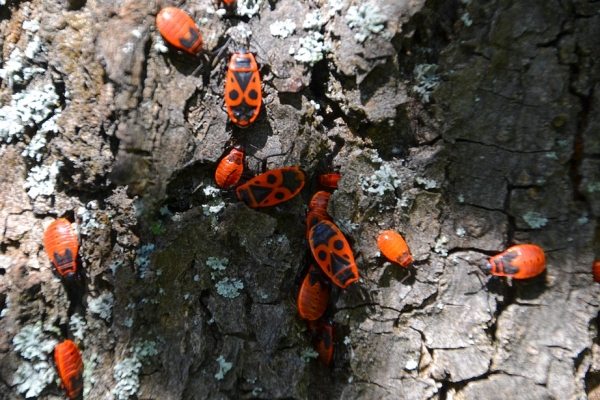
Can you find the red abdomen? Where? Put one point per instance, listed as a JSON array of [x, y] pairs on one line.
[[317, 210], [313, 296], [329, 180], [230, 168], [522, 261], [322, 340], [596, 271], [62, 246], [70, 367], [393, 246], [179, 30]]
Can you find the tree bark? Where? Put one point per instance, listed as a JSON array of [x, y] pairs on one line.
[[465, 126]]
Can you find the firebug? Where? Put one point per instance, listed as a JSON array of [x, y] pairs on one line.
[[519, 262], [322, 338], [231, 167], [329, 180], [272, 187], [317, 210], [393, 246], [60, 242], [313, 296], [243, 92], [179, 30], [333, 253], [596, 271], [70, 367]]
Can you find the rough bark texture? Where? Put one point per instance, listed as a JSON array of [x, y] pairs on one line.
[[498, 145]]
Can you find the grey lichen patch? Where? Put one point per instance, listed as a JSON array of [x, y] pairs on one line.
[[426, 79], [31, 378], [307, 354], [535, 220], [102, 305], [26, 108], [126, 371], [224, 368], [367, 19], [41, 180], [229, 288], [143, 258]]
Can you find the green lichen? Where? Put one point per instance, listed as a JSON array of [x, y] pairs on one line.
[[224, 368], [535, 220]]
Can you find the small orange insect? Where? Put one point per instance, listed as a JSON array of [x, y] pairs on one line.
[[314, 294], [272, 187], [522, 261], [322, 332], [179, 30], [62, 246], [70, 367], [243, 92], [317, 210], [231, 167], [596, 271], [329, 180], [333, 253], [393, 246]]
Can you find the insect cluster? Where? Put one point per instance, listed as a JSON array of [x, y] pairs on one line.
[[61, 244], [332, 259]]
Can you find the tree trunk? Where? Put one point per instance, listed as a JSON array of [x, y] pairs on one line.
[[467, 127]]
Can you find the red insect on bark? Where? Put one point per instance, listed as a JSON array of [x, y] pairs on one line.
[[231, 167], [70, 367], [317, 210], [333, 253], [179, 30], [313, 296], [272, 187], [60, 242], [393, 246], [329, 180], [596, 271], [522, 261], [243, 91], [322, 339]]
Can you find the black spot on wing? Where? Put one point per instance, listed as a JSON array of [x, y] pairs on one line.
[[271, 178], [339, 245], [234, 94], [293, 179], [189, 43]]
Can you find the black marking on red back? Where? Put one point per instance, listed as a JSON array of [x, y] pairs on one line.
[[189, 43], [291, 181], [259, 192], [243, 79], [243, 111], [63, 260], [322, 234], [316, 275], [505, 266]]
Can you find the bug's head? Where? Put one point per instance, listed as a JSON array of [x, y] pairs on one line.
[[487, 267], [239, 147]]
